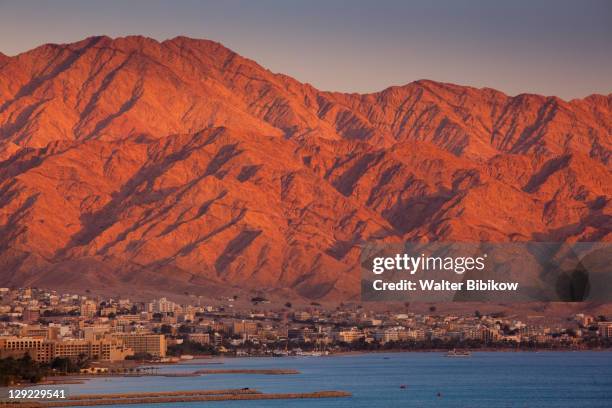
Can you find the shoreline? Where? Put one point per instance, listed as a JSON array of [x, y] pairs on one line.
[[359, 352], [472, 350], [76, 379]]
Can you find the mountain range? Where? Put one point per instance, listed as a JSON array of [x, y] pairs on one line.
[[132, 165]]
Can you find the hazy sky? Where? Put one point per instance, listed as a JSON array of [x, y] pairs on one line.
[[556, 47]]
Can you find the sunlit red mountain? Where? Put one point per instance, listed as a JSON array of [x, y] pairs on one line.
[[130, 164]]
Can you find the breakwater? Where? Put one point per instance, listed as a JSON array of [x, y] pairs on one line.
[[274, 371], [170, 397]]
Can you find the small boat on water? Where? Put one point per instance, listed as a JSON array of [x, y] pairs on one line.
[[313, 353], [458, 353]]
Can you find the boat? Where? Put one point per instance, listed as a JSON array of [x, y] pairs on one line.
[[309, 353], [458, 353]]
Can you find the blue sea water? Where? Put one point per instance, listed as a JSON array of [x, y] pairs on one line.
[[486, 379]]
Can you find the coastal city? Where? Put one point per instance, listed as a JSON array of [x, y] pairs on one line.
[[89, 333], [321, 204]]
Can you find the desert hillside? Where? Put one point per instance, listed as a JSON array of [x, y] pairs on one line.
[[180, 166]]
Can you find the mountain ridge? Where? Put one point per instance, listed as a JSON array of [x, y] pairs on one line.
[[182, 165], [181, 38]]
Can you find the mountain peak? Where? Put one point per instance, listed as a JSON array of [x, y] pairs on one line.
[[184, 41]]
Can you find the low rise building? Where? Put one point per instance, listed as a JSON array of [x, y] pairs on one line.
[[349, 336], [200, 338], [45, 351]]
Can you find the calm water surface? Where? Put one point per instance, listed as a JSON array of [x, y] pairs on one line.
[[486, 379]]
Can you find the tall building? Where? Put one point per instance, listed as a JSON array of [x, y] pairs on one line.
[[605, 329], [31, 314], [153, 344], [89, 308], [300, 333], [162, 305], [244, 327]]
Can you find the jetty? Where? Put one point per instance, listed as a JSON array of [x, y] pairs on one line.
[[274, 371], [242, 394]]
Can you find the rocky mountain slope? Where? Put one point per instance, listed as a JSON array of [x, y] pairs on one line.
[[130, 164]]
